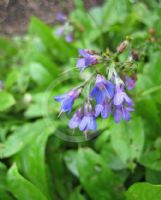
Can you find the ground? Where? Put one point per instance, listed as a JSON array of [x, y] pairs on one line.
[[15, 14]]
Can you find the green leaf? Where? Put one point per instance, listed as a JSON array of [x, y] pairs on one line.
[[3, 186], [128, 140], [39, 74], [144, 191], [31, 161], [95, 175], [76, 195], [151, 159], [21, 138], [114, 11], [6, 101], [71, 162], [22, 188], [153, 177]]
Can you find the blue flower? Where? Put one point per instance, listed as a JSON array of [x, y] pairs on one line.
[[61, 17], [121, 97], [104, 109], [68, 38], [68, 99], [76, 119], [86, 59], [60, 31], [88, 121], [122, 112], [103, 89]]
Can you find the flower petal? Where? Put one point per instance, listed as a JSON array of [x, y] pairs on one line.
[[117, 115], [91, 123], [82, 52], [60, 97], [98, 109], [83, 123], [74, 121], [118, 98]]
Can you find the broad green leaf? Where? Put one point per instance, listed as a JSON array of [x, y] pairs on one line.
[[20, 138], [21, 188], [4, 195], [6, 101], [39, 74], [144, 191], [151, 159], [153, 177], [128, 140], [76, 195], [94, 173], [31, 161], [71, 162], [114, 11]]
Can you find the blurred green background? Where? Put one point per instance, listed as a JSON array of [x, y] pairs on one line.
[[124, 161]]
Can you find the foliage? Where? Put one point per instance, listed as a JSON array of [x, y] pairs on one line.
[[35, 162]]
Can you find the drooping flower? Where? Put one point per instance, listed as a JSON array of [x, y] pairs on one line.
[[88, 121], [86, 59], [103, 109], [68, 99], [60, 31], [121, 97], [130, 83], [122, 112], [61, 17], [76, 119], [103, 89], [68, 38]]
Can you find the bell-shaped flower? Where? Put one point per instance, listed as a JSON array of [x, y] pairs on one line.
[[76, 119], [103, 109], [121, 97], [122, 112], [86, 59], [88, 121], [103, 89], [68, 99]]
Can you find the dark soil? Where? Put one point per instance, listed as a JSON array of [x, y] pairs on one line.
[[15, 14]]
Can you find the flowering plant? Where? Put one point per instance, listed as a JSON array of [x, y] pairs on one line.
[[109, 95]]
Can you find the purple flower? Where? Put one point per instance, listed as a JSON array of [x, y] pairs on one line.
[[103, 89], [121, 97], [61, 17], [130, 83], [104, 109], [68, 99], [60, 31], [122, 112], [88, 121], [76, 119], [68, 38], [86, 59]]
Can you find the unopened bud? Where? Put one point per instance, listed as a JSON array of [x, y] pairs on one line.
[[122, 46], [135, 55], [27, 98], [152, 31]]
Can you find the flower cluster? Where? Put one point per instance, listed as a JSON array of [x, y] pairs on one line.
[[108, 96], [65, 30]]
